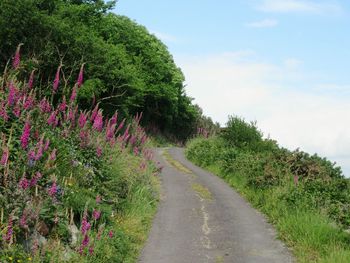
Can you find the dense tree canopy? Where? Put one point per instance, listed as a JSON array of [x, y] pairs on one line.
[[126, 68]]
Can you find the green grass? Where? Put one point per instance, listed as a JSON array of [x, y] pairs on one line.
[[310, 235]]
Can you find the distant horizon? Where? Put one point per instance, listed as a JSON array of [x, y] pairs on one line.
[[281, 63]]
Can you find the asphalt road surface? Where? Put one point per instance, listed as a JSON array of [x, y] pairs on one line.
[[201, 219]]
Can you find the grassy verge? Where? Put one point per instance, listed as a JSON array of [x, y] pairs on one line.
[[310, 233]]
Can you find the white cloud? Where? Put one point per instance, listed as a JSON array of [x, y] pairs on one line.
[[292, 63], [295, 116], [302, 6], [263, 23]]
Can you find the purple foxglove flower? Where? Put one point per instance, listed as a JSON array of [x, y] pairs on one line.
[[136, 151], [52, 121], [121, 125], [56, 81], [99, 151], [81, 76], [47, 143], [52, 156], [74, 94], [85, 225], [45, 106], [28, 103], [53, 189], [25, 135], [17, 111], [17, 58], [82, 119], [31, 80], [24, 183], [91, 250], [94, 114], [86, 241], [98, 121], [96, 214], [11, 99], [63, 105], [9, 231], [5, 156], [132, 140], [23, 220], [110, 131], [3, 111], [114, 119]]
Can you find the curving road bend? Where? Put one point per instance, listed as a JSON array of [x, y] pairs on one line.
[[201, 219]]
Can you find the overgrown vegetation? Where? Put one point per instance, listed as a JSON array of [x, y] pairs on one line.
[[75, 186], [305, 196], [126, 67]]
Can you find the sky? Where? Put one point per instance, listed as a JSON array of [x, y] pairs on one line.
[[282, 63]]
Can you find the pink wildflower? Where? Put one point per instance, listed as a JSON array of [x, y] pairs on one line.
[[99, 151], [91, 250], [35, 179], [94, 114], [17, 58], [5, 156], [9, 232], [56, 80], [81, 76], [53, 189], [136, 151], [28, 103], [45, 106], [74, 94], [86, 241], [31, 80], [98, 121], [110, 132], [3, 111], [52, 121], [25, 135], [63, 105], [82, 119], [110, 234], [23, 220], [121, 125], [85, 225], [96, 214], [11, 99], [47, 143], [114, 119], [132, 140], [52, 156], [24, 183], [17, 111]]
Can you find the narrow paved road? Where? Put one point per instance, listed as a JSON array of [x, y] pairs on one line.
[[201, 219]]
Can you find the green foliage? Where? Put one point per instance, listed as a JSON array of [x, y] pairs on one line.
[[126, 67], [305, 196], [241, 134]]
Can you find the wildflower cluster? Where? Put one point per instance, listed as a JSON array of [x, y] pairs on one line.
[[43, 149]]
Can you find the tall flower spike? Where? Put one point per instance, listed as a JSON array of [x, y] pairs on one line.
[[74, 94], [25, 135], [5, 156], [17, 58], [56, 81], [81, 76], [31, 80]]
